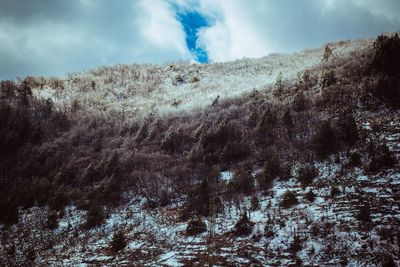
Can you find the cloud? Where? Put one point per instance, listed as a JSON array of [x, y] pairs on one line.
[[255, 28], [56, 37], [47, 37]]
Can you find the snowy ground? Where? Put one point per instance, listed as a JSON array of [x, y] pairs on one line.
[[327, 228], [140, 90]]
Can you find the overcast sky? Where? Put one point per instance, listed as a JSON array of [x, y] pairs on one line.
[[53, 37]]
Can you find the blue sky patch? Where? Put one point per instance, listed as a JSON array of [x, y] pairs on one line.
[[192, 22]]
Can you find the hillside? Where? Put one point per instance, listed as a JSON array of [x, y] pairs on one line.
[[286, 160]]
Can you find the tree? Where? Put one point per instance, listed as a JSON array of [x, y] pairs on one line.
[[9, 211], [243, 226], [364, 214], [95, 215], [195, 227], [243, 181], [310, 196], [327, 53], [255, 204], [287, 119], [289, 200], [307, 174], [347, 129], [299, 102], [118, 242], [278, 86], [324, 141], [52, 220]]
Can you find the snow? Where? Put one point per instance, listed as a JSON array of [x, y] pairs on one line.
[[226, 176], [140, 90], [169, 258]]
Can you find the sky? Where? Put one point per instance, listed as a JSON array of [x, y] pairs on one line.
[[54, 37]]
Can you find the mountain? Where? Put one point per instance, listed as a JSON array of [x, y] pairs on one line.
[[286, 160]]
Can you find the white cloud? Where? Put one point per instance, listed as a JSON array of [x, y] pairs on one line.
[[90, 34], [234, 34], [243, 28], [161, 29], [54, 37]]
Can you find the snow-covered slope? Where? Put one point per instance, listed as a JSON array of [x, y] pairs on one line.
[[140, 90]]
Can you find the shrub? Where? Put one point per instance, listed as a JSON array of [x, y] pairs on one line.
[[289, 200], [381, 158], [354, 160], [118, 242], [364, 214], [265, 181], [347, 129], [243, 226], [196, 227], [287, 119], [299, 102], [296, 244], [164, 198], [327, 53], [199, 201], [243, 181], [386, 57], [235, 152], [273, 165], [278, 86], [386, 66], [255, 204], [9, 211], [324, 141], [334, 191], [307, 174], [310, 196], [328, 78], [94, 216], [388, 261], [268, 231], [52, 220]]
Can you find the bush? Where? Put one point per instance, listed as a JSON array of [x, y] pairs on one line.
[[52, 220], [9, 211], [354, 160], [199, 201], [299, 102], [334, 191], [388, 261], [118, 242], [268, 232], [324, 141], [287, 119], [265, 181], [386, 66], [243, 226], [381, 158], [310, 196], [307, 174], [289, 200], [328, 78], [347, 129], [255, 204], [386, 57], [364, 214], [94, 216], [296, 244], [196, 227], [243, 181]]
